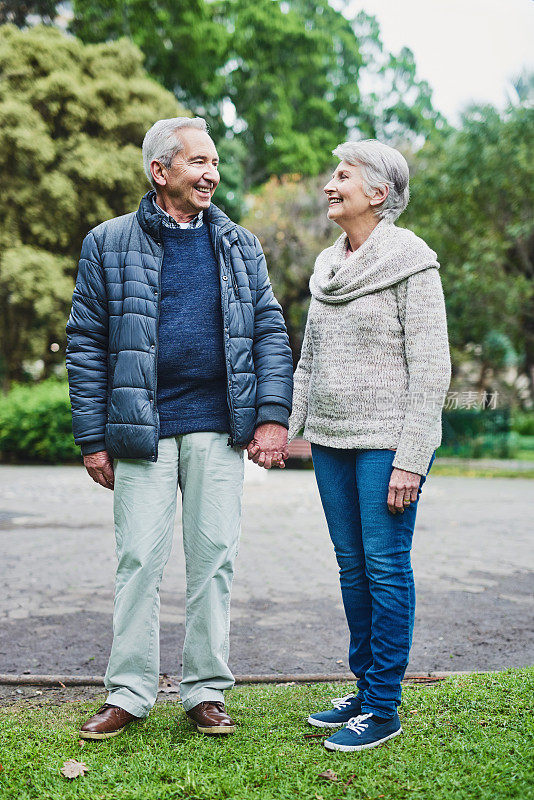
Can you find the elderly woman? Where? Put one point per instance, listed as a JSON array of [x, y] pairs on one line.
[[369, 389]]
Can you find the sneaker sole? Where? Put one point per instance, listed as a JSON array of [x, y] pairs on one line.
[[348, 748], [216, 729], [317, 723]]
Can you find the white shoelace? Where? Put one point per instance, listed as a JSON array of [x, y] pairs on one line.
[[357, 724], [342, 702]]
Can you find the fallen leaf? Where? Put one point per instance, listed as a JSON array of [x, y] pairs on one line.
[[81, 742], [328, 775], [73, 768]]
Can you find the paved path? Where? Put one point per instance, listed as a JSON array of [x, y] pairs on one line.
[[473, 561]]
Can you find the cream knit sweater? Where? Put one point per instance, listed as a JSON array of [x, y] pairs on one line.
[[375, 367]]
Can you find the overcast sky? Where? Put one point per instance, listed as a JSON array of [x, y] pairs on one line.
[[467, 50]]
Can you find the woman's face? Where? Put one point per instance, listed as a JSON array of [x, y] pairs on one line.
[[346, 198]]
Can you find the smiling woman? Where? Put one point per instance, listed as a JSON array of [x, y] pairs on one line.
[[369, 388]]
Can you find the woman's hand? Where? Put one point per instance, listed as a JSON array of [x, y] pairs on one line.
[[403, 488]]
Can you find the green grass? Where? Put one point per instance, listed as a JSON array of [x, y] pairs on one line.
[[464, 471], [470, 737]]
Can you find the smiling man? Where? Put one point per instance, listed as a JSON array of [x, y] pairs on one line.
[[178, 359]]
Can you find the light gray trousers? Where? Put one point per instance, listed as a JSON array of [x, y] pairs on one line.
[[210, 477]]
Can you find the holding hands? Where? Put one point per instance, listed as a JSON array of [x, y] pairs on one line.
[[268, 448]]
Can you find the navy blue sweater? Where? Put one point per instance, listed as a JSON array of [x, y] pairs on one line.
[[191, 365]]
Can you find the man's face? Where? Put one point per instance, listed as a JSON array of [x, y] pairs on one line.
[[193, 176]]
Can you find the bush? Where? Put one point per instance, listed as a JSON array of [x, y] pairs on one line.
[[35, 424], [523, 423], [470, 433]]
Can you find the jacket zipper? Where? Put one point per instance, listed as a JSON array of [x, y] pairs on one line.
[[226, 324], [156, 349]]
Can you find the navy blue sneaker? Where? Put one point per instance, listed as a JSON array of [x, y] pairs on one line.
[[344, 709], [362, 733]]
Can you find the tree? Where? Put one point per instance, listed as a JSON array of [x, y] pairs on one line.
[[280, 76], [473, 202], [397, 108], [18, 11], [184, 49], [288, 215], [183, 46], [72, 120], [292, 78]]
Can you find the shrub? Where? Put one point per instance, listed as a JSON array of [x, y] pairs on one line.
[[470, 433], [523, 423], [35, 424]]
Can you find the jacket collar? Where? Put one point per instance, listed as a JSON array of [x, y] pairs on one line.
[[150, 220]]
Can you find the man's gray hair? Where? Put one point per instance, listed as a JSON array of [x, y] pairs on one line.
[[162, 142], [381, 165]]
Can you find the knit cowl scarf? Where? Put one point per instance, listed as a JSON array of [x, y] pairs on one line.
[[388, 256]]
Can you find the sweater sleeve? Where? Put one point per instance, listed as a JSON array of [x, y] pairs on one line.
[[301, 385], [423, 316]]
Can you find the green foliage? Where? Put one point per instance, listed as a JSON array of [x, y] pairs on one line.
[[473, 202], [398, 110], [289, 217], [523, 423], [468, 737], [18, 11], [288, 70], [293, 78], [72, 121], [477, 433], [184, 50], [497, 350], [183, 46], [35, 424], [35, 291], [229, 193]]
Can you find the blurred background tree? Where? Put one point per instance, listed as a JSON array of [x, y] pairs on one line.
[[72, 120], [18, 11], [288, 215], [396, 105], [473, 202], [282, 77], [281, 82]]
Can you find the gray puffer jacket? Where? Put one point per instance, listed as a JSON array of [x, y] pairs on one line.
[[112, 335]]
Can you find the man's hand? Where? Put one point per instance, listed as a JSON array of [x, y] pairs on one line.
[[402, 486], [100, 468], [269, 445]]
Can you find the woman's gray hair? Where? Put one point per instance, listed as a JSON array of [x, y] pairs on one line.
[[381, 165], [162, 142]]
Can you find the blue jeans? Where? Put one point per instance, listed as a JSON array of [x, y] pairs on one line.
[[372, 548]]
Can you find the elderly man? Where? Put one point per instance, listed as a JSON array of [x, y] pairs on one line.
[[178, 359]]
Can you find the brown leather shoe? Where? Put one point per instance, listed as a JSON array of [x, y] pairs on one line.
[[107, 722], [211, 718]]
